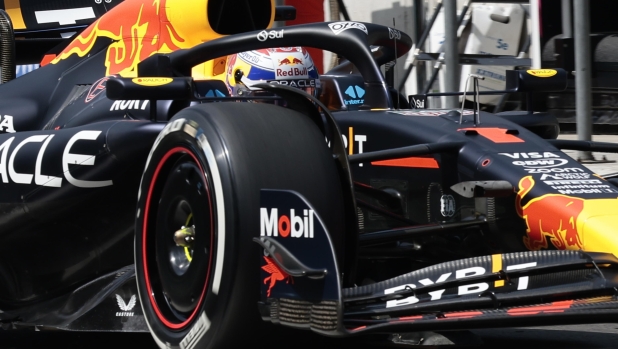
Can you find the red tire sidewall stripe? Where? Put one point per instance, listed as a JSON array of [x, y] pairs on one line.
[[162, 318]]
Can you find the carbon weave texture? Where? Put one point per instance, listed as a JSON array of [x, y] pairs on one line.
[[540, 257]]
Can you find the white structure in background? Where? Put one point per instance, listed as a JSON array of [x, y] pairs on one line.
[[379, 12], [24, 69], [496, 29], [484, 37]]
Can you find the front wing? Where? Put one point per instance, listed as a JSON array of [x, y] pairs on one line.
[[515, 289]]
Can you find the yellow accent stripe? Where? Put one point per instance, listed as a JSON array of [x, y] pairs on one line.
[[13, 8], [187, 252], [350, 140], [496, 266]]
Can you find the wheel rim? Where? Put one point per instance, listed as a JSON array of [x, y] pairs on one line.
[[177, 238]]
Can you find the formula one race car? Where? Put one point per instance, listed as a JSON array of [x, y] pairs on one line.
[[137, 194]]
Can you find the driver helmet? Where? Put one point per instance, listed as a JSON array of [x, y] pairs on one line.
[[291, 66]]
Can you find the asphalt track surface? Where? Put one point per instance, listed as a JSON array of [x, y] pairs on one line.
[[577, 336], [573, 336]]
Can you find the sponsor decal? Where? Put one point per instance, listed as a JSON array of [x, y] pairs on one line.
[[459, 291], [355, 92], [552, 216], [578, 186], [502, 45], [285, 49], [531, 155], [339, 27], [288, 219], [542, 73], [97, 88], [257, 58], [447, 205], [290, 61], [127, 50], [129, 105], [213, 93], [276, 275], [418, 101], [572, 182], [273, 34], [428, 112], [541, 163], [126, 307], [297, 83], [292, 73], [64, 17], [290, 65], [152, 81], [548, 164], [554, 170], [565, 176], [9, 174], [394, 34], [196, 333], [6, 124], [313, 246], [542, 160], [292, 225], [350, 139]]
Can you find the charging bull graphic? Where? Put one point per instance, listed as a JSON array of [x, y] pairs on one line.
[[137, 34], [290, 61], [141, 28], [552, 216]]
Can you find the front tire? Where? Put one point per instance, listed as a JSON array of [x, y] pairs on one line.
[[198, 210]]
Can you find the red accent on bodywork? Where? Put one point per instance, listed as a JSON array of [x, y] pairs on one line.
[[462, 315], [410, 318], [413, 162], [555, 307], [276, 274], [494, 134], [96, 89], [47, 59]]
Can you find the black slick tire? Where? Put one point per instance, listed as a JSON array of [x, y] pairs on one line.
[[203, 179]]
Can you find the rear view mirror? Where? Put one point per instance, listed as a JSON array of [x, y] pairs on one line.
[[536, 80], [285, 13], [150, 88]]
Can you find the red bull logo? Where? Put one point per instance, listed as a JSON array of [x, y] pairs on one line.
[[552, 216], [276, 275], [138, 28], [290, 61], [141, 28], [285, 61]]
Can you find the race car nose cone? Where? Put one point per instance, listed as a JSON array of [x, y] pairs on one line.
[[601, 233]]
